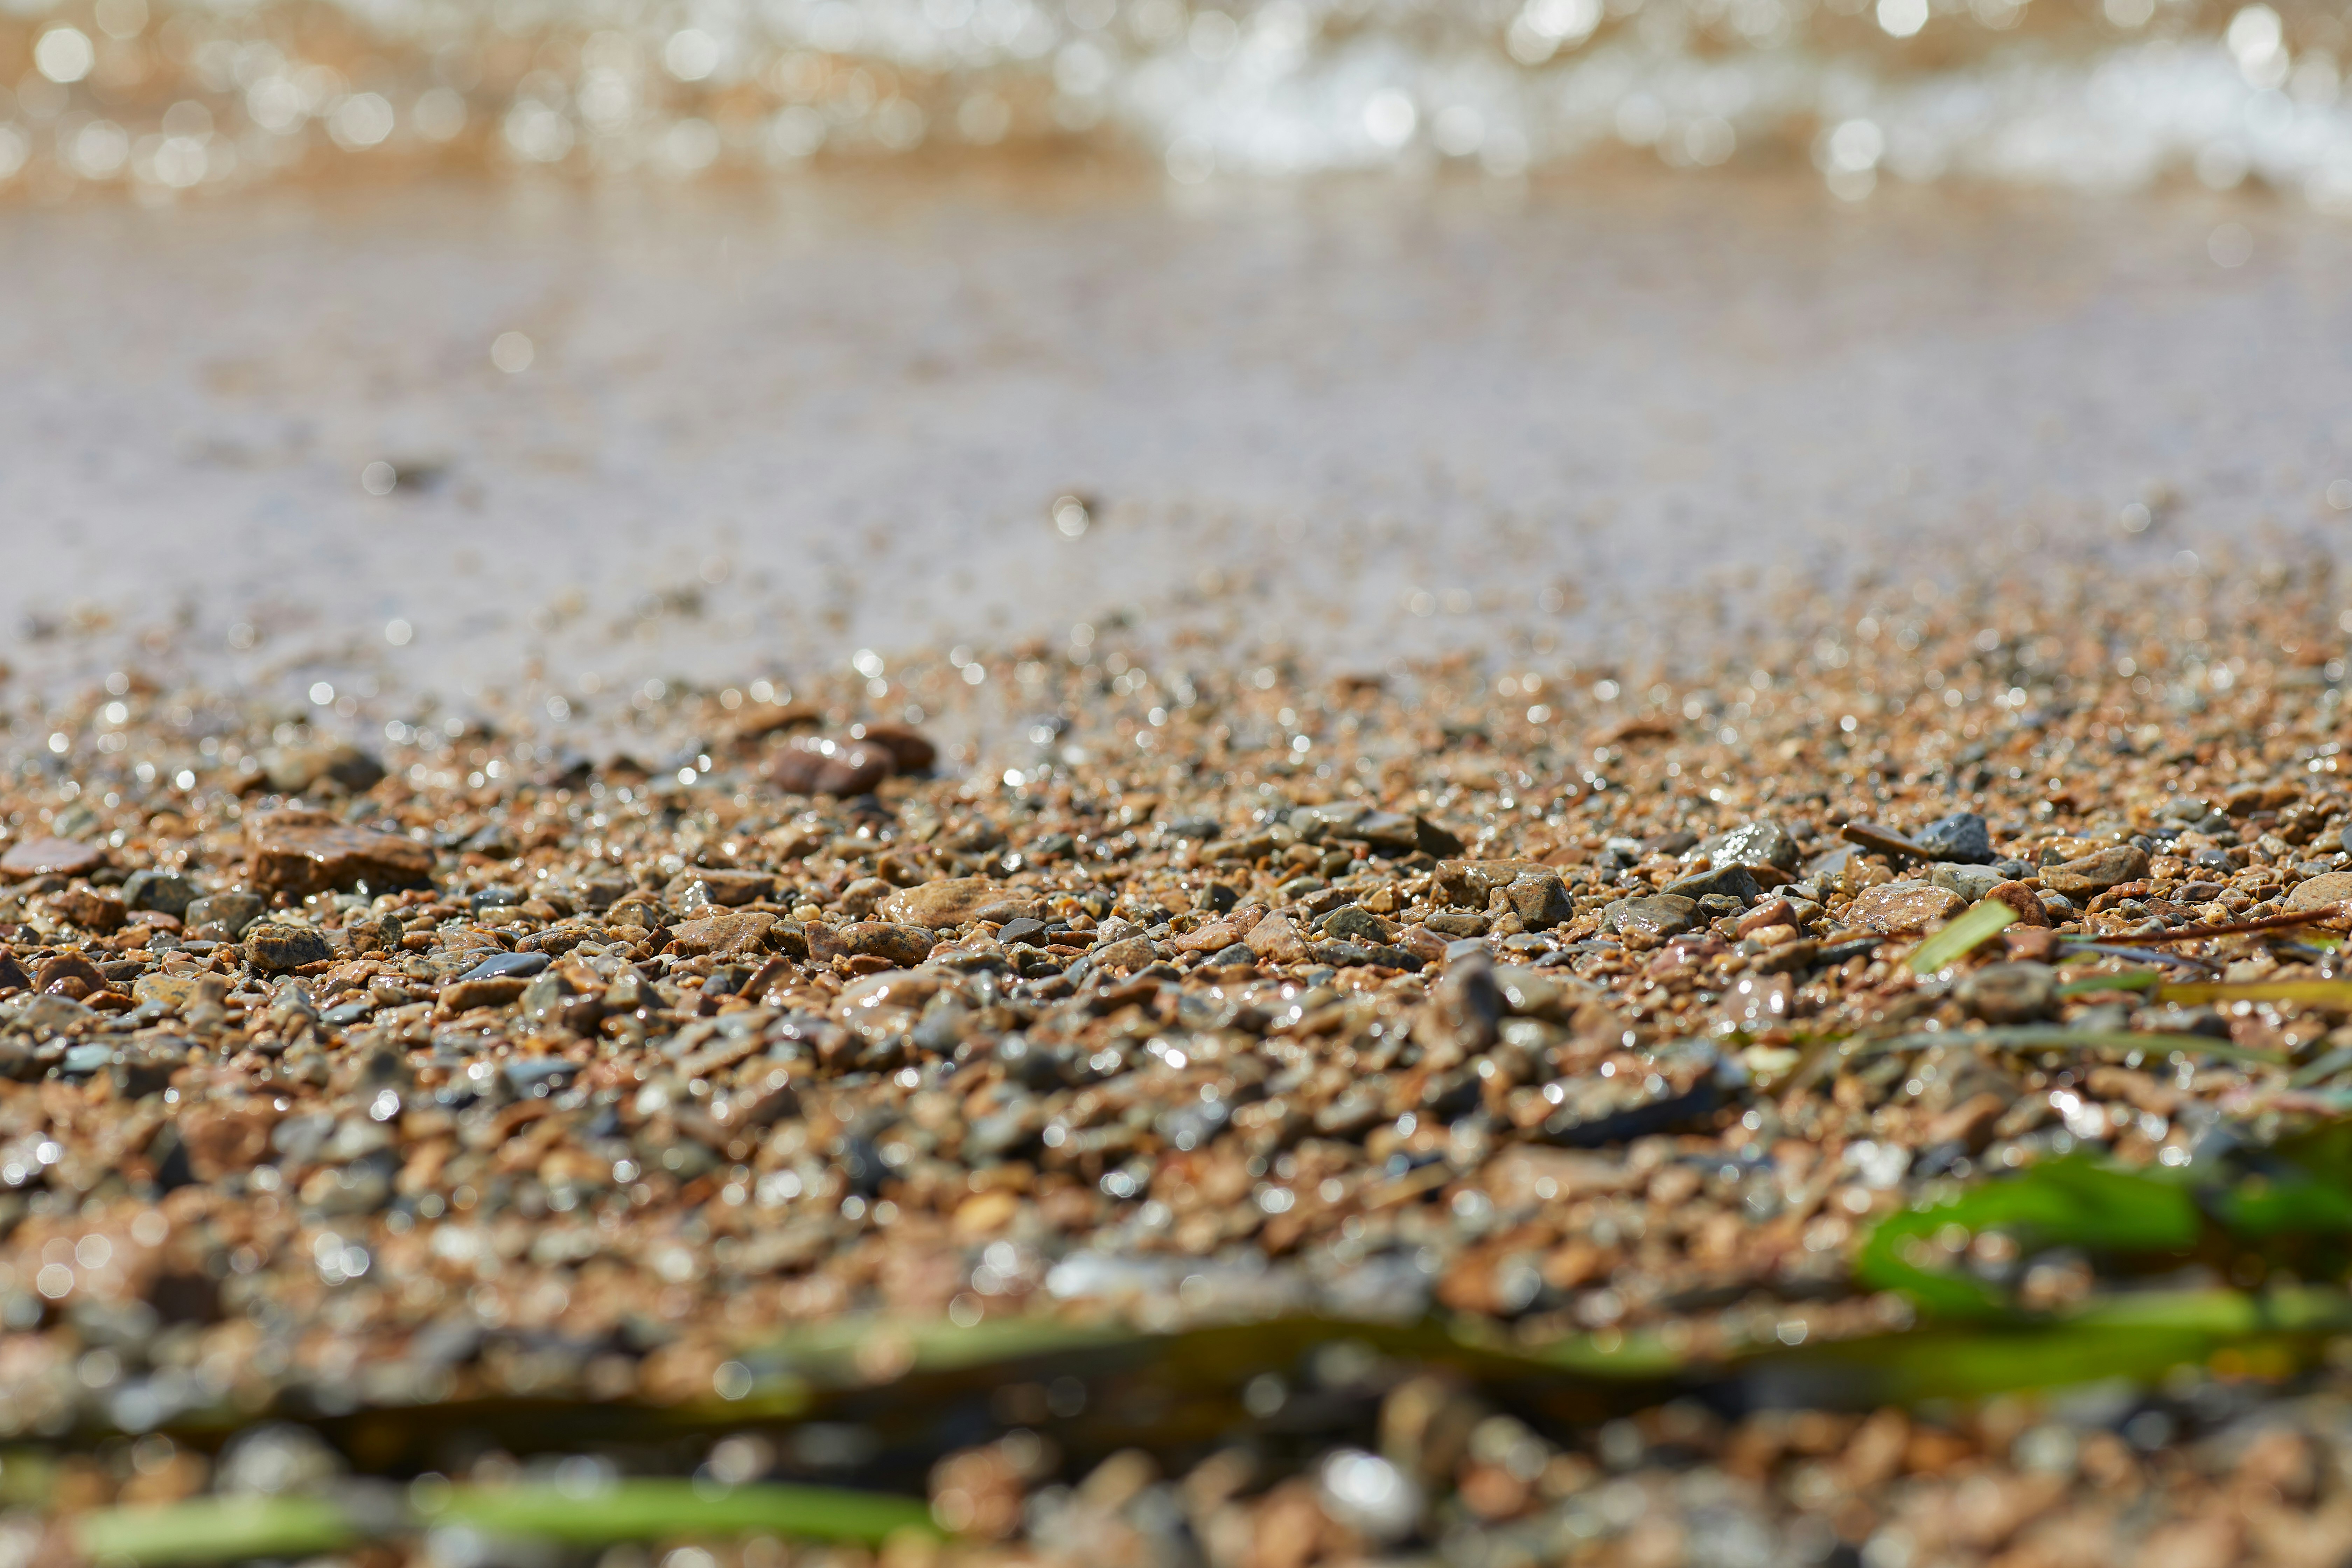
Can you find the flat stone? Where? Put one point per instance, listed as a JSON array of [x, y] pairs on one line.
[[231, 911], [304, 852], [2010, 993], [721, 936], [1971, 882], [1277, 941], [1902, 909], [1540, 900], [726, 888], [49, 857], [1754, 844], [1124, 957], [1215, 937], [1351, 922], [1473, 882], [909, 752], [2096, 872], [1961, 837], [505, 965], [959, 901], [816, 765], [904, 945], [293, 769], [1727, 881], [165, 892], [277, 948], [2333, 888], [1656, 914], [467, 994]]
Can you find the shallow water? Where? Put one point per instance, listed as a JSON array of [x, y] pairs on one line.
[[761, 427]]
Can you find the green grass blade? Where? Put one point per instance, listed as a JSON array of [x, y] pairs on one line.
[[1970, 930], [654, 1509], [2331, 994], [214, 1530]]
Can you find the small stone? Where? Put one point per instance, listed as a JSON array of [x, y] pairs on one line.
[[1353, 922], [49, 857], [722, 936], [467, 994], [2010, 993], [909, 752], [1727, 882], [165, 892], [232, 912], [1754, 844], [2096, 873], [1970, 882], [89, 909], [815, 764], [1215, 937], [1472, 883], [959, 901], [2021, 898], [1459, 925], [1540, 900], [904, 945], [277, 948], [1124, 957], [293, 769], [1903, 909], [1962, 836], [1277, 941], [1655, 914], [2319, 892], [725, 889], [506, 964], [303, 852]]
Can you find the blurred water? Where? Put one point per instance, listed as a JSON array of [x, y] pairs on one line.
[[168, 96], [469, 436]]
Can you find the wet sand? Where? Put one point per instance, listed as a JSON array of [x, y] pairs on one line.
[[1578, 411]]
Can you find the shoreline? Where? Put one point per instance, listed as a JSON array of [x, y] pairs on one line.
[[1569, 1020]]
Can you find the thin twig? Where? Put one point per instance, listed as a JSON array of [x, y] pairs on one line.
[[2234, 928]]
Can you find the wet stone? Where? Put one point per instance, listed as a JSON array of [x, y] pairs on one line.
[[1728, 881], [1757, 843], [165, 892], [49, 857], [1962, 836], [2010, 993], [1971, 883], [1656, 914], [2334, 887], [302, 852], [1904, 909], [231, 912], [2096, 873], [956, 901], [275, 947]]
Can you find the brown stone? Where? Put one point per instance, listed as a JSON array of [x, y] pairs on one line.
[[724, 888], [1277, 941], [224, 1142], [1473, 882], [817, 764], [70, 975], [89, 909], [2096, 873], [49, 857], [303, 852], [1124, 956], [909, 752], [2022, 899], [956, 901], [467, 994], [904, 945], [1220, 935], [722, 936], [2328, 887], [1902, 909]]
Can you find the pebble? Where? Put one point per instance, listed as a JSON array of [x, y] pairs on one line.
[[1962, 836], [819, 766], [1971, 883], [1655, 914], [298, 852], [2334, 887], [49, 857], [1904, 909], [2010, 993], [2096, 872], [960, 900], [277, 949]]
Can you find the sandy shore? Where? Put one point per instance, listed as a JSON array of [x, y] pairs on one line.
[[765, 427]]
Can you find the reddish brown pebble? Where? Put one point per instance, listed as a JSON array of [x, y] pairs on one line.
[[814, 765], [302, 852], [49, 857]]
